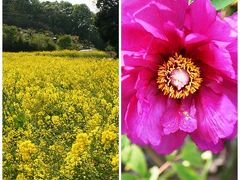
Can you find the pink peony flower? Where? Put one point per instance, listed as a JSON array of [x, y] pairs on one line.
[[179, 74]]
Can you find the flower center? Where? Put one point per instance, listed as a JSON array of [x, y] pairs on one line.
[[178, 77]]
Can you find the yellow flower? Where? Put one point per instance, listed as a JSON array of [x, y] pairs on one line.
[[61, 113], [115, 162], [55, 120], [26, 149]]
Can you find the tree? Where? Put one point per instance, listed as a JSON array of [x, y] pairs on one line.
[[57, 17], [10, 38], [82, 18], [107, 21]]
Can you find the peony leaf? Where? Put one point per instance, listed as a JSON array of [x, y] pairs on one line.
[[126, 152], [220, 4], [124, 142], [185, 172], [191, 154], [127, 176], [136, 160]]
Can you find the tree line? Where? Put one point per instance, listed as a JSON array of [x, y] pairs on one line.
[[98, 30]]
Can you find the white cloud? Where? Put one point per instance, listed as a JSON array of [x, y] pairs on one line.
[[90, 3]]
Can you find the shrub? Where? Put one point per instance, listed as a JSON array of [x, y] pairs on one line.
[[17, 39], [65, 42], [10, 38], [41, 42]]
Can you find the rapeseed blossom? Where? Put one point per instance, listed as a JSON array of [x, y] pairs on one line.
[[179, 74], [57, 108]]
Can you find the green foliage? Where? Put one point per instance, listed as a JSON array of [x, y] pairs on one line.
[[133, 158], [16, 39], [189, 163], [107, 21], [191, 154], [10, 37], [65, 42], [127, 176], [220, 4], [41, 42], [185, 173], [57, 17], [75, 54]]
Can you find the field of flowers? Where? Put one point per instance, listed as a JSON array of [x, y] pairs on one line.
[[60, 115]]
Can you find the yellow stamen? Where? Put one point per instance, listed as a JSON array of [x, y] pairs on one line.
[[178, 77]]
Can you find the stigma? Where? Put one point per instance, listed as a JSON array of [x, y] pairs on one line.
[[178, 77]]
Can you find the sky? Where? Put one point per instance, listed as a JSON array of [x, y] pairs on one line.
[[89, 3]]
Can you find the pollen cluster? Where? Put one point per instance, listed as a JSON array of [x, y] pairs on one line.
[[178, 77]]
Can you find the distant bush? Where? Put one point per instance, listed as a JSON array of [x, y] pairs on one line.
[[17, 39], [10, 38], [41, 42], [109, 48], [65, 42]]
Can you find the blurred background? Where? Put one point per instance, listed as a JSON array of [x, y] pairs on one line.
[[188, 163]]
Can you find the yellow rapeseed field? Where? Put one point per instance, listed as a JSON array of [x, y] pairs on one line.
[[60, 115]]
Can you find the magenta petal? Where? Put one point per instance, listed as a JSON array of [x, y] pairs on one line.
[[216, 114], [223, 86], [232, 48], [220, 30], [234, 133], [131, 122], [171, 118], [232, 21], [200, 15], [130, 7], [193, 41], [218, 58], [128, 83], [188, 122], [178, 116], [142, 118], [143, 81], [156, 13], [195, 38], [137, 43], [207, 145], [152, 32], [142, 41], [170, 142], [139, 62]]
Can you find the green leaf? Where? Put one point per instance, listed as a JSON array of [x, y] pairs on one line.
[[185, 173], [126, 152], [171, 156], [220, 4], [127, 176], [124, 142], [191, 154], [136, 161]]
